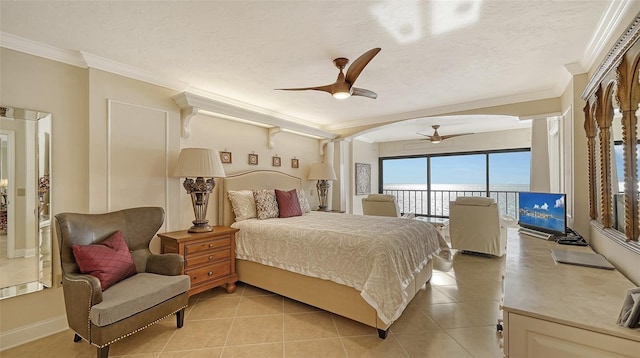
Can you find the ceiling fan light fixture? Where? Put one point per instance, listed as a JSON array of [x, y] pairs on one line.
[[342, 87], [435, 141], [342, 95]]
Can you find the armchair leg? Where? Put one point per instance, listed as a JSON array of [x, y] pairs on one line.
[[103, 352], [76, 338], [180, 318]]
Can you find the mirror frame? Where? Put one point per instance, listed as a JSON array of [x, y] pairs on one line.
[[44, 233], [615, 79]]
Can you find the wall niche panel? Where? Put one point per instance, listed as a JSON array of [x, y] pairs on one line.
[[137, 162]]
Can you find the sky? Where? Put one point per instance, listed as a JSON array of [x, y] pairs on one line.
[[505, 168], [552, 203]]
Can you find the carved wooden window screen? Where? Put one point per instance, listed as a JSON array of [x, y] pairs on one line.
[[616, 83]]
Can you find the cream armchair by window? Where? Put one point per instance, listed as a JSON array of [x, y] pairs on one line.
[[380, 205], [475, 225]]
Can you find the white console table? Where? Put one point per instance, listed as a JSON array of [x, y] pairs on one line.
[[560, 310]]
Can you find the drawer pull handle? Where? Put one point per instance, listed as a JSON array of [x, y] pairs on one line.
[[210, 273], [210, 257], [211, 245]]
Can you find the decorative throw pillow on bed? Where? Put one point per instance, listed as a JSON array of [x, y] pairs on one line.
[[109, 260], [288, 204], [243, 203], [266, 203], [304, 203]]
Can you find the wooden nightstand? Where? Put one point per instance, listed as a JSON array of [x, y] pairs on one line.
[[209, 258]]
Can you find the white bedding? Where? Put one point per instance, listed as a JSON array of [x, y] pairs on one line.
[[378, 256]]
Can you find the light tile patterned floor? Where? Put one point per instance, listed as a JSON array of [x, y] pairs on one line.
[[454, 316]]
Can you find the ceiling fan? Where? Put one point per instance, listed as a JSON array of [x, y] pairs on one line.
[[437, 138], [343, 87]]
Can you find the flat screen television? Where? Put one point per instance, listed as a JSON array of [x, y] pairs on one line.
[[543, 212]]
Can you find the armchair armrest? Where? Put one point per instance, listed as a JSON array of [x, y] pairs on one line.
[[82, 286], [81, 291], [165, 264]]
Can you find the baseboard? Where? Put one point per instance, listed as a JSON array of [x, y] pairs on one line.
[[31, 332]]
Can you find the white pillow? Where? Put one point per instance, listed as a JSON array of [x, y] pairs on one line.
[[244, 206], [304, 203]]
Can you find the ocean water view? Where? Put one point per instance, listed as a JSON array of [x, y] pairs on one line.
[[414, 198]]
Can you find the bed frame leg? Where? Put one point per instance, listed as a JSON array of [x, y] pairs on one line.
[[383, 333]]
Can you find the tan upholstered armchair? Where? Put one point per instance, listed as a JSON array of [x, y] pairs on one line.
[[158, 290], [475, 225], [380, 205]]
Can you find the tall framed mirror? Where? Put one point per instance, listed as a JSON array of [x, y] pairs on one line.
[[25, 201]]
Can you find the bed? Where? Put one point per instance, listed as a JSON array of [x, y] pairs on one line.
[[364, 292]]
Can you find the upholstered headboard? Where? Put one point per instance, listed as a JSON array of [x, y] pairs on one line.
[[253, 180]]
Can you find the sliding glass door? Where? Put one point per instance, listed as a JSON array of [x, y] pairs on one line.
[[425, 184]]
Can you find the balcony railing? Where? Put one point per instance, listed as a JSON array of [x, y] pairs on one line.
[[435, 203]]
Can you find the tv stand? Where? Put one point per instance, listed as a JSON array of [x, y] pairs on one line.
[[535, 233], [554, 310]]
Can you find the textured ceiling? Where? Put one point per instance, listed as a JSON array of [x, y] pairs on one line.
[[434, 54]]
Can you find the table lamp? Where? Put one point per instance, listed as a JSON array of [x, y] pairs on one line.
[[322, 172], [204, 165]]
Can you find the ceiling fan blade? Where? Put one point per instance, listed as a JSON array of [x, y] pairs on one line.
[[359, 64], [425, 135], [327, 88], [363, 92], [453, 135]]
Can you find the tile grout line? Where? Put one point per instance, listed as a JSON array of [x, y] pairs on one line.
[[233, 321], [340, 336]]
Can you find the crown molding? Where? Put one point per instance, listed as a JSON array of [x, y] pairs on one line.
[[21, 44], [612, 18], [122, 69], [613, 58], [86, 60]]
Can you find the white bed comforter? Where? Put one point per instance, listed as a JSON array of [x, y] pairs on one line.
[[378, 256]]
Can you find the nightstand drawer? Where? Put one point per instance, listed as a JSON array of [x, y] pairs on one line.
[[211, 272], [209, 257], [193, 261], [196, 247]]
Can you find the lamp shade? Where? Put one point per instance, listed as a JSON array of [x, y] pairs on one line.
[[322, 171], [199, 162]]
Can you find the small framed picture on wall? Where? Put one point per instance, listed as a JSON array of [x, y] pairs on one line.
[[276, 161], [225, 157], [294, 163], [253, 159], [363, 179]]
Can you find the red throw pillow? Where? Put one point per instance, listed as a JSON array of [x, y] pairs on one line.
[[109, 260], [288, 203]]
